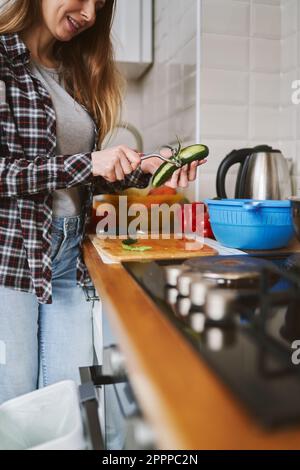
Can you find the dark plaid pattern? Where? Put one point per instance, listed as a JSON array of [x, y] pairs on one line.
[[30, 172]]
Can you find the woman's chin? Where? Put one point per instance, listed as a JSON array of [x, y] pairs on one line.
[[64, 37]]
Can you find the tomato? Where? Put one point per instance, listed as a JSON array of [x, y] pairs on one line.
[[208, 233], [206, 229]]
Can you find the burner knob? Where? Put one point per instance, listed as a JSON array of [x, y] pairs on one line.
[[171, 295], [172, 272], [185, 280], [217, 339], [197, 321], [183, 306], [220, 304], [198, 292]]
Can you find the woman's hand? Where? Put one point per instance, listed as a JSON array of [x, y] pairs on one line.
[[115, 163], [180, 178], [184, 175]]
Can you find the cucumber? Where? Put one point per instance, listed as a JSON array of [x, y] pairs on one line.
[[185, 156]]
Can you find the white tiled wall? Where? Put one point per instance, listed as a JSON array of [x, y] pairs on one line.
[[250, 54], [132, 113], [162, 104], [290, 71], [168, 90], [240, 80]]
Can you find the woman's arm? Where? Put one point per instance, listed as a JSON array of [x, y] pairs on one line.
[[47, 174], [43, 174]]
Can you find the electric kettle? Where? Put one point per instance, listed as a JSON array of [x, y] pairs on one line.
[[263, 174]]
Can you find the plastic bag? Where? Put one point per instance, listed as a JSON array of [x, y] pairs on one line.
[[48, 418]]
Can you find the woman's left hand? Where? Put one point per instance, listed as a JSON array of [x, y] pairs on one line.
[[184, 175], [180, 178]]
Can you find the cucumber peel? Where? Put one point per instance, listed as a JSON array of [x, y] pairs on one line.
[[130, 245], [184, 156], [136, 248]]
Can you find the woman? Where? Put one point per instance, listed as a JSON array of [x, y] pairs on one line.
[[61, 95]]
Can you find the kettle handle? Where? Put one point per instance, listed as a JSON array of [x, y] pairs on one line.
[[236, 156]]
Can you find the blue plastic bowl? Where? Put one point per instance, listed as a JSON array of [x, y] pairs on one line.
[[251, 224]]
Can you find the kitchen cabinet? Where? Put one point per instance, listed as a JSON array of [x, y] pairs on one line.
[[119, 413], [133, 36]]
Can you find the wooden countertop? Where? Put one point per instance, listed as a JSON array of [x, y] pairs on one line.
[[187, 405]]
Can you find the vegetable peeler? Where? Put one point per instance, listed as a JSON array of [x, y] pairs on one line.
[[144, 156]]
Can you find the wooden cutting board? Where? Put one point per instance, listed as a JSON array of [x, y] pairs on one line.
[[161, 249]]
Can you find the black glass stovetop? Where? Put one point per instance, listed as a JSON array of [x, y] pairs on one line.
[[252, 355]]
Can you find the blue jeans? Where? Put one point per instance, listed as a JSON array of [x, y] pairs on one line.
[[43, 344]]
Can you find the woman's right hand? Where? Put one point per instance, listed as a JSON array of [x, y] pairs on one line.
[[115, 163]]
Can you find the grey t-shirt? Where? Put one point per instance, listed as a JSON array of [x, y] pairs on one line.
[[74, 134]]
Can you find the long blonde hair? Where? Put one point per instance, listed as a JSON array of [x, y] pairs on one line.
[[86, 61]]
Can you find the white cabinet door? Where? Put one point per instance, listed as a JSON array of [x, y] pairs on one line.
[[133, 36]]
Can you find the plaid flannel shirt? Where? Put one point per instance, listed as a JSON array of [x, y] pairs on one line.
[[30, 172]]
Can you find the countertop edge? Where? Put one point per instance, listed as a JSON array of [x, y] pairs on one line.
[[187, 405]]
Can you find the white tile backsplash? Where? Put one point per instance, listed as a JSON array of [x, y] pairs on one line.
[[187, 131], [189, 92], [168, 90], [289, 18], [288, 119], [186, 27], [187, 56], [240, 84], [264, 123], [297, 161], [224, 122], [224, 87], [230, 17], [290, 68], [297, 123], [286, 90], [225, 52], [265, 55], [266, 21], [289, 53], [289, 149], [207, 184], [267, 2], [218, 150], [265, 90], [250, 54]]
